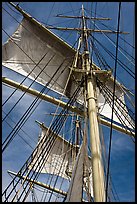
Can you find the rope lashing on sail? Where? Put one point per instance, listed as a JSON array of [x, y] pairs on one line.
[[123, 89], [55, 182], [115, 74], [128, 97], [54, 172], [118, 103]]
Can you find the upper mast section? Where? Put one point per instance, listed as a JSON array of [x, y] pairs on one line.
[[84, 31]]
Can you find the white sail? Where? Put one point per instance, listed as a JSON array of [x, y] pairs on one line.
[[39, 43], [36, 43], [75, 189], [35, 52], [59, 160], [80, 174], [120, 112]]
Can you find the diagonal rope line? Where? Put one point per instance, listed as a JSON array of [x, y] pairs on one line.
[[110, 142]]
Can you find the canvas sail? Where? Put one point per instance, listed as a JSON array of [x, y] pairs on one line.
[[75, 189], [32, 45], [60, 159], [80, 175], [63, 161]]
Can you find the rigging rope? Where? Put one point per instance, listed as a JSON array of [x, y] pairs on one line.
[[31, 104], [110, 142], [56, 124], [127, 69], [112, 29], [98, 58], [108, 95], [55, 128]]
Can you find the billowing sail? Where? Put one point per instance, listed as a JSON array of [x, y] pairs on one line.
[[36, 52], [63, 161], [105, 101], [30, 44], [60, 158]]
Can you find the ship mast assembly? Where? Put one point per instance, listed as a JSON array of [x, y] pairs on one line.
[[88, 72], [97, 169]]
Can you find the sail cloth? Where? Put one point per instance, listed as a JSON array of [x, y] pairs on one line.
[[75, 189], [32, 44], [28, 45], [63, 161], [80, 173], [60, 158], [105, 103]]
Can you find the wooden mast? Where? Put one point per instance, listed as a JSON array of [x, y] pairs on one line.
[[97, 169]]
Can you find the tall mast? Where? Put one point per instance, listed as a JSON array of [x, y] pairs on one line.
[[97, 168]]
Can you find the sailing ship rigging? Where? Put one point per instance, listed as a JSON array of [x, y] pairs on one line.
[[67, 166]]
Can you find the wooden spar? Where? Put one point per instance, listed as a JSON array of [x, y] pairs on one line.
[[97, 168], [92, 18], [39, 183], [88, 30], [62, 104]]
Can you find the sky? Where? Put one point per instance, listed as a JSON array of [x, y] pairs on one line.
[[123, 150]]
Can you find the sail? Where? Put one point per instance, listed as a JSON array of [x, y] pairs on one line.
[[75, 189], [59, 160], [63, 161], [105, 101], [29, 44], [68, 172], [81, 173], [36, 52]]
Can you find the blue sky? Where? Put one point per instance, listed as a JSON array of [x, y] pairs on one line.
[[123, 150]]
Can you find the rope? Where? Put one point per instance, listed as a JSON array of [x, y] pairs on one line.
[[50, 139], [119, 61], [109, 153], [58, 129]]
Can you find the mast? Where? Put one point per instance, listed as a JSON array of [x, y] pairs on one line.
[[97, 169], [89, 90]]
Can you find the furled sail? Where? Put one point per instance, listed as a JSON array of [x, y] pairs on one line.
[[36, 52], [79, 174], [75, 189]]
